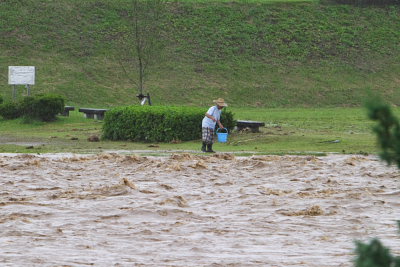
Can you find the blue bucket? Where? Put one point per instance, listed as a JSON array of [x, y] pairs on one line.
[[222, 137]]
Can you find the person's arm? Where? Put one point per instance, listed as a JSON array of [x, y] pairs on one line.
[[214, 119], [211, 117]]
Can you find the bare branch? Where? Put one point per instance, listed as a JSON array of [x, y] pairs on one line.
[[126, 73], [143, 40]]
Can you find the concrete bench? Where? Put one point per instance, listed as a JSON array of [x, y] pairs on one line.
[[253, 125], [66, 111], [93, 113]]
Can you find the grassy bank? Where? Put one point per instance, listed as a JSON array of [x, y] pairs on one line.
[[252, 53], [287, 131]]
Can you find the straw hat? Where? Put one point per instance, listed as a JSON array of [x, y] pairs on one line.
[[220, 102]]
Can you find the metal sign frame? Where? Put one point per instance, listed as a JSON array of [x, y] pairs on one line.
[[21, 75]]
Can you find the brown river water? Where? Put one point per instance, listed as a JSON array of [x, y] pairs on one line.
[[188, 210]]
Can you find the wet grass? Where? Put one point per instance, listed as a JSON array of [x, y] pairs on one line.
[[287, 131], [256, 53]]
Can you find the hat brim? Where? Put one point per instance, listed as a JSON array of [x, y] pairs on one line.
[[221, 104]]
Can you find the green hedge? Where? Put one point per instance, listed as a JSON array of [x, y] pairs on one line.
[[40, 107], [157, 124], [10, 110]]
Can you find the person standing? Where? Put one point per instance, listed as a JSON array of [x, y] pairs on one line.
[[211, 118]]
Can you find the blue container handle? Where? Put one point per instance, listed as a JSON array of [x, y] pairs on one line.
[[222, 129]]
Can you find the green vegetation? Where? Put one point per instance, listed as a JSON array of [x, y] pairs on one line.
[[252, 53], [156, 124], [39, 107], [141, 43], [368, 2], [303, 67], [375, 254], [42, 107], [278, 62], [387, 131], [287, 131], [10, 110]]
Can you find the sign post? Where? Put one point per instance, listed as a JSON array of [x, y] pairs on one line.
[[21, 75]]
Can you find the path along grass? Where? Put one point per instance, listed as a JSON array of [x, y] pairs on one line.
[[297, 131]]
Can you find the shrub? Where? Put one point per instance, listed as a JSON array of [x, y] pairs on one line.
[[156, 124], [1, 99], [42, 107], [387, 130], [10, 111], [375, 254], [227, 120]]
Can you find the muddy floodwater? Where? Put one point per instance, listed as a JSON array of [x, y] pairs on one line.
[[188, 210]]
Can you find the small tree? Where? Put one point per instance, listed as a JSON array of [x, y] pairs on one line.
[[142, 42]]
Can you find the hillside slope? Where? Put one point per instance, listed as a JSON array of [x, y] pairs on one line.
[[252, 54]]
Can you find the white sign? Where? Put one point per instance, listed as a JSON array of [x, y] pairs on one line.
[[21, 75]]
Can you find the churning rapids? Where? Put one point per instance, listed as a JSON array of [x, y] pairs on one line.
[[188, 210]]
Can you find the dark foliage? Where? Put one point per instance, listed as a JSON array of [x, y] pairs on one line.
[[375, 254], [387, 130], [156, 124], [227, 120], [41, 107], [10, 111]]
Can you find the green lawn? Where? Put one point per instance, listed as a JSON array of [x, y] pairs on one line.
[[287, 131]]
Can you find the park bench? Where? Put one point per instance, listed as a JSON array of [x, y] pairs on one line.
[[252, 125], [66, 111], [93, 113]]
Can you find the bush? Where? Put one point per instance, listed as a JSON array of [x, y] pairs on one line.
[[10, 111], [1, 99], [375, 254], [156, 124], [387, 130], [227, 120], [42, 107]]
